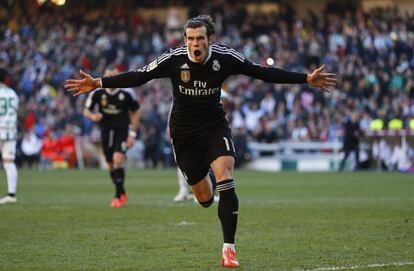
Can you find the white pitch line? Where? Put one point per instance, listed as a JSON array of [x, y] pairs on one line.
[[359, 266]]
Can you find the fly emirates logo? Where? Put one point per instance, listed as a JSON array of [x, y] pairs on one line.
[[200, 89]]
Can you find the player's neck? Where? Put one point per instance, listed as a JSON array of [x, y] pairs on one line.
[[111, 91]]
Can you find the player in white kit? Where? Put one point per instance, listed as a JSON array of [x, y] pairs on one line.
[[9, 102]]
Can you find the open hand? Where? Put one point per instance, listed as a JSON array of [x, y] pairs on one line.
[[81, 86], [323, 80]]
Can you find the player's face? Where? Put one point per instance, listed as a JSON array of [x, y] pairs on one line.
[[197, 43]]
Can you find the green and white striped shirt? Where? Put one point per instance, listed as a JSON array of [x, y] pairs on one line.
[[9, 102]]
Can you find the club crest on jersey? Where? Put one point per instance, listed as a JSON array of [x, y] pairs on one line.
[[185, 73], [121, 96], [216, 65], [104, 100]]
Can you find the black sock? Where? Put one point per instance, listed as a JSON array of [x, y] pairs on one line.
[[111, 173], [228, 210], [213, 180], [118, 177], [11, 194]]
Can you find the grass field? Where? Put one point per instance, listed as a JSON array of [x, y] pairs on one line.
[[287, 221]]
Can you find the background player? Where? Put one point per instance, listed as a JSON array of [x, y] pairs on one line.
[[9, 102], [118, 117]]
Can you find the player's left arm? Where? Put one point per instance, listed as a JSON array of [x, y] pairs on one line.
[[317, 78]]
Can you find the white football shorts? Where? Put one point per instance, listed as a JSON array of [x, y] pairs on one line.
[[8, 149]]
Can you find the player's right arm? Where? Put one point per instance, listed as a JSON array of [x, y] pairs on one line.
[[167, 130], [159, 68], [89, 106], [95, 117]]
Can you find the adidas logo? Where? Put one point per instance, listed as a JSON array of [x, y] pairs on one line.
[[185, 66]]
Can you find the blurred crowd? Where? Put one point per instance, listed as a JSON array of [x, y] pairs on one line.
[[372, 52]]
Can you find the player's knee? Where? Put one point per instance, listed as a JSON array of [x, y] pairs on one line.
[[207, 203], [223, 168], [7, 161], [118, 160], [226, 173]]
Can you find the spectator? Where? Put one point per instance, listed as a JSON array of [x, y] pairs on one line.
[[31, 146], [374, 58], [352, 132]]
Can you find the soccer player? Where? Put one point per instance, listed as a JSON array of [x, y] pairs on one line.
[[118, 117], [200, 132], [9, 102]]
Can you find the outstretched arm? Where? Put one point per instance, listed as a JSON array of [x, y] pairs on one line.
[[122, 80], [316, 78], [158, 68]]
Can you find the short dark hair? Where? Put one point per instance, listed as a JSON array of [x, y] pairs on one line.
[[3, 74], [111, 67], [199, 21]]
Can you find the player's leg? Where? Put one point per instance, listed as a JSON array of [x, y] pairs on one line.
[[107, 139], [116, 200], [221, 154], [342, 164], [228, 207], [194, 168], [119, 176], [203, 191], [213, 180], [356, 153], [183, 191], [120, 148], [8, 149]]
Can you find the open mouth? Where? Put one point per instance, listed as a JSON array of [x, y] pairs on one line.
[[197, 53]]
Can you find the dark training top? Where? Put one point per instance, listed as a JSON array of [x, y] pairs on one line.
[[113, 105], [352, 132], [197, 87]]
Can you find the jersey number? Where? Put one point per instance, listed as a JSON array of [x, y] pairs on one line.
[[226, 141], [5, 105]]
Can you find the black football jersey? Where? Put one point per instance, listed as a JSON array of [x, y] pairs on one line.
[[197, 87], [113, 105]]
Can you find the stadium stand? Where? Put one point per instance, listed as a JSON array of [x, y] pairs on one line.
[[371, 51]]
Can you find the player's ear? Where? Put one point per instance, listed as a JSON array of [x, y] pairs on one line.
[[211, 39]]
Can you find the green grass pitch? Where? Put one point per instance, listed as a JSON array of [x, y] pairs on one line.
[[287, 221]]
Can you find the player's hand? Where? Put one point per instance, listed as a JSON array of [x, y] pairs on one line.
[[130, 141], [323, 80], [81, 86], [97, 117]]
